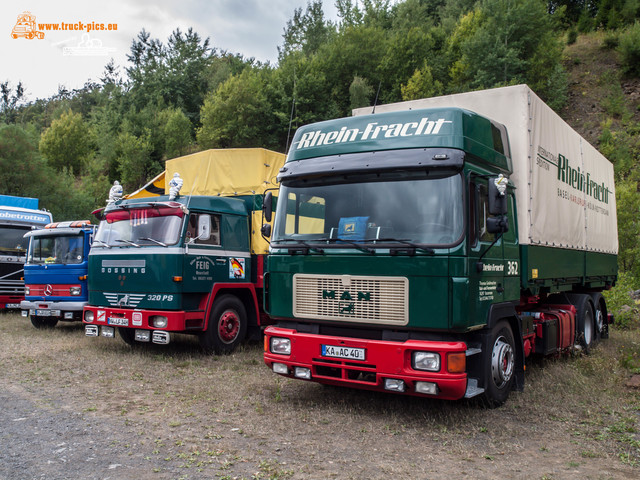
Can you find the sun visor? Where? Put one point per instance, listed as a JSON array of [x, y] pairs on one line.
[[429, 159]]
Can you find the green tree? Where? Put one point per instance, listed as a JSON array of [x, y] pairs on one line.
[[23, 170], [360, 92], [504, 42], [176, 129], [65, 144], [134, 160], [421, 85], [237, 114]]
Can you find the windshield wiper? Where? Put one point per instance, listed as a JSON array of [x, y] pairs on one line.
[[355, 245], [412, 245], [102, 243], [154, 241], [306, 247], [128, 242]]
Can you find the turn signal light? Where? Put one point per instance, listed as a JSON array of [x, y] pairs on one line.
[[456, 362], [177, 279]]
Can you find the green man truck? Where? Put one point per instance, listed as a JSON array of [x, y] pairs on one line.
[[192, 264], [431, 247]]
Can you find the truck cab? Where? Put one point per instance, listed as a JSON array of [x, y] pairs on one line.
[[56, 272], [404, 257], [160, 267], [18, 215]]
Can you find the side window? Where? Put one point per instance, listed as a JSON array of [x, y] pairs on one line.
[[510, 236], [193, 231], [478, 213]]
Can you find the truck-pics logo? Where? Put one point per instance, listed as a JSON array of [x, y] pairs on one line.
[[26, 27], [372, 131], [347, 304]]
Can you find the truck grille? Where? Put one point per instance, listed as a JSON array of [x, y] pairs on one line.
[[382, 300]]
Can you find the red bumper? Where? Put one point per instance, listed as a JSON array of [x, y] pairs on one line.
[[177, 321], [12, 300], [383, 360]]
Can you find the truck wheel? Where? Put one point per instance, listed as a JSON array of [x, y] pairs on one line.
[[227, 326], [600, 316], [128, 335], [585, 324], [43, 322], [500, 365]]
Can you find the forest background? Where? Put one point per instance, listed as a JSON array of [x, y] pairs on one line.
[[184, 95]]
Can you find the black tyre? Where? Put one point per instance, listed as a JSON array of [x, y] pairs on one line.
[[499, 365], [600, 316], [227, 326], [585, 323], [128, 335], [43, 322]]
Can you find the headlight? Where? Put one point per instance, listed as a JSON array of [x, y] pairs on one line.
[[158, 321], [27, 291], [428, 361], [281, 346], [88, 316], [75, 290]]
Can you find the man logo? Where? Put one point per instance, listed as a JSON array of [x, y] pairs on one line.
[[350, 228]]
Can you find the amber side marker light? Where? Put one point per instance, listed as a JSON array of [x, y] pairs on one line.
[[82, 278], [177, 279], [456, 362]]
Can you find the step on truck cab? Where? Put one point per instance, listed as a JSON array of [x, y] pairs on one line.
[[192, 264], [18, 215], [430, 248], [55, 273]]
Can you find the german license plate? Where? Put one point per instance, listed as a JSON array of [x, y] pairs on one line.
[[349, 353], [43, 313], [13, 305], [122, 322]]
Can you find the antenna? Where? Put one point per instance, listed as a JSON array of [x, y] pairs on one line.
[[376, 100], [293, 105]]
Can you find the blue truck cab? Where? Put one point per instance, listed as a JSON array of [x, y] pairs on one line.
[[55, 272]]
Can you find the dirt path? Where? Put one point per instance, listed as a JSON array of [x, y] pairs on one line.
[[77, 407]]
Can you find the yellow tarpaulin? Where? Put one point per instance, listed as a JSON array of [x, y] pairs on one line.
[[228, 172]]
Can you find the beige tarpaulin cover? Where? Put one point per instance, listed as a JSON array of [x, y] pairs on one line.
[[229, 172], [564, 186]]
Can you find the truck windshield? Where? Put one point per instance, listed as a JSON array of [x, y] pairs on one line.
[[12, 241], [58, 249], [424, 211], [140, 227]]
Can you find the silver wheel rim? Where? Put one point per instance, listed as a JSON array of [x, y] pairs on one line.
[[502, 362], [599, 320], [588, 330]]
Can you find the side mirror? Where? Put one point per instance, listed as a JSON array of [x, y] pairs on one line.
[[267, 206], [266, 230], [204, 227], [498, 224], [497, 195]]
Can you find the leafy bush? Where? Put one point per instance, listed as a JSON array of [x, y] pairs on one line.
[[630, 50], [621, 304], [610, 41], [572, 36]]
